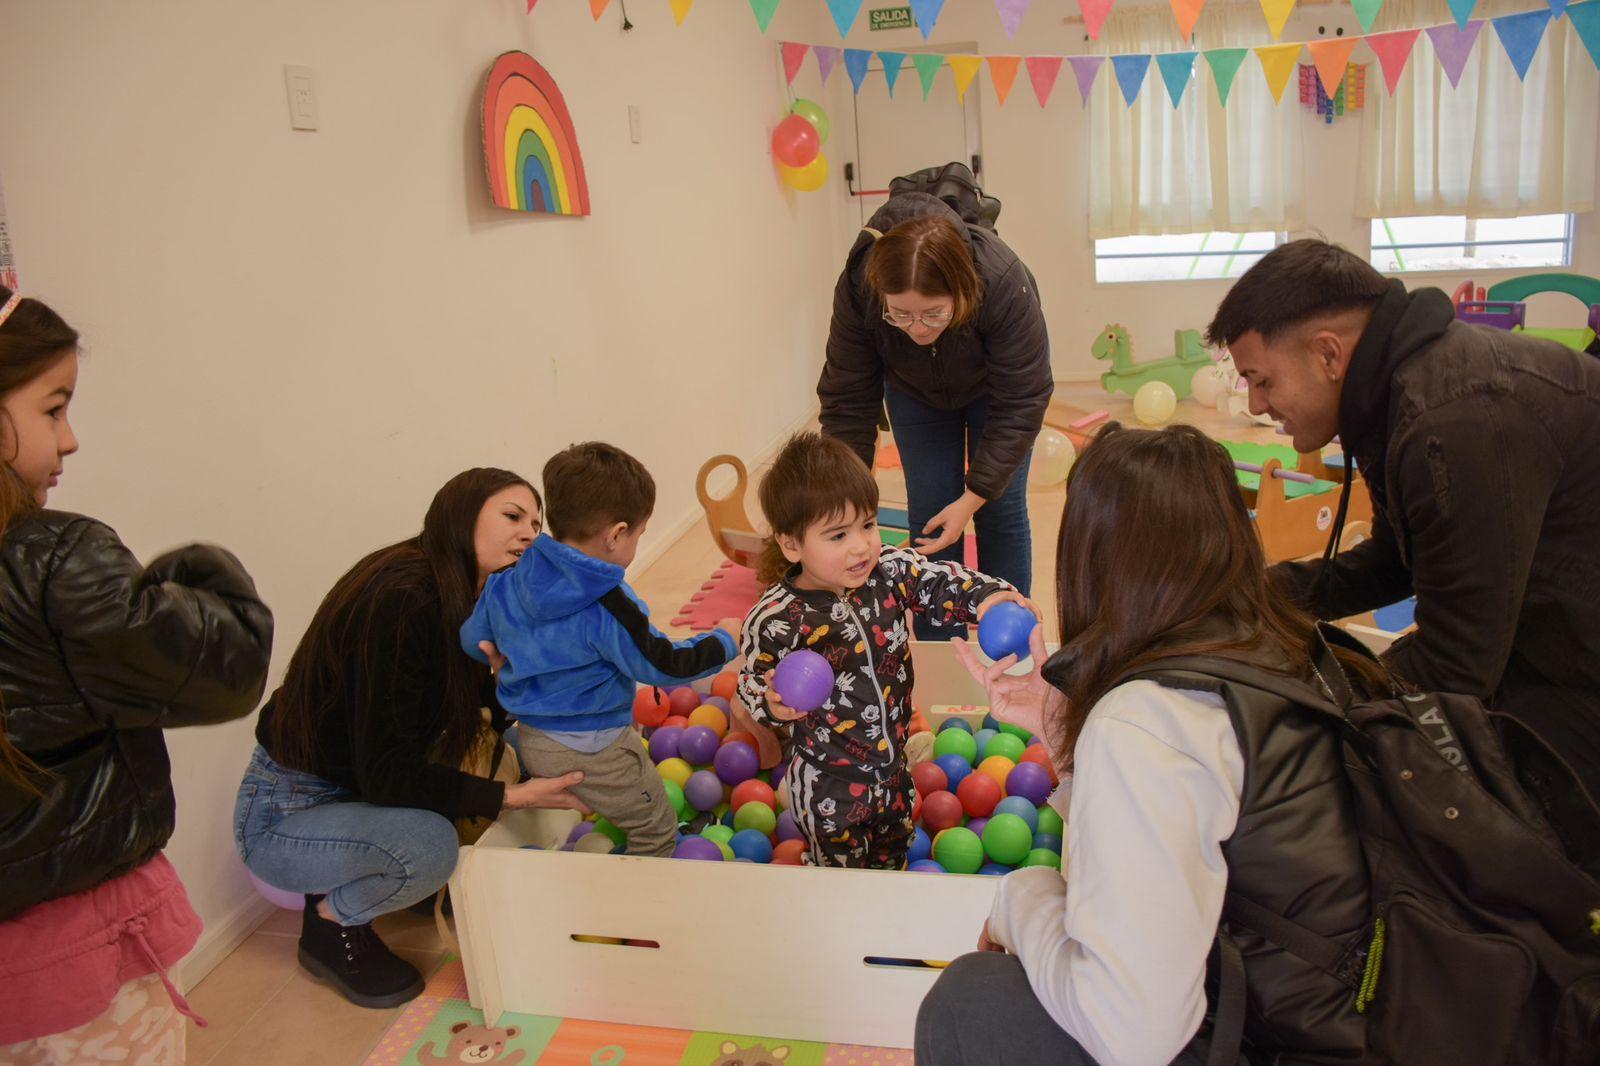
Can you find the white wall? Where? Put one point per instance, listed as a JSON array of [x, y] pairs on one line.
[[295, 337]]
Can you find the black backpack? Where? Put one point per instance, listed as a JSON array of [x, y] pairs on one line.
[[1483, 941], [958, 187]]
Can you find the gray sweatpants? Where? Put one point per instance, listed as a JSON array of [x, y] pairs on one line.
[[619, 782]]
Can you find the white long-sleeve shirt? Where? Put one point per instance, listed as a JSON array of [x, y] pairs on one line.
[[1115, 945]]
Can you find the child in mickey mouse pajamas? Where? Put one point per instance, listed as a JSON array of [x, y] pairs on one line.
[[837, 590]]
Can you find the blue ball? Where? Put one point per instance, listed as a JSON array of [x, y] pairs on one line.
[[925, 866], [1048, 841], [1021, 808], [727, 820], [991, 722], [983, 736], [955, 769], [921, 846], [994, 869], [1004, 630], [956, 723], [751, 844], [1035, 739]]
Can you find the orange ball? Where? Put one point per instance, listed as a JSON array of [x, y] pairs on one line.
[[711, 717], [754, 790], [998, 767], [650, 707], [684, 700], [725, 685], [789, 853], [678, 720], [742, 738], [1037, 754]]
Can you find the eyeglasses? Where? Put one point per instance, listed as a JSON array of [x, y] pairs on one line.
[[930, 319]]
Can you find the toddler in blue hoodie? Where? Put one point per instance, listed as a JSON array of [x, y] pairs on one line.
[[576, 640]]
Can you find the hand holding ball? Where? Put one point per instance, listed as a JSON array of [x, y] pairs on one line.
[[803, 680], [1004, 630]]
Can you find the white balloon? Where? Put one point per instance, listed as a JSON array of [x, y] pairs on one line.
[[1207, 385], [1154, 403], [1053, 456]]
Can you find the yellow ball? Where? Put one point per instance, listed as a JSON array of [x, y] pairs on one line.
[[710, 716], [1154, 403], [676, 771], [998, 767]]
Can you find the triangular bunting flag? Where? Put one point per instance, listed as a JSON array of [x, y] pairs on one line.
[[1277, 63], [531, 5], [1277, 12], [891, 67], [763, 11], [855, 64], [1520, 36], [1366, 12], [598, 8], [1452, 46], [1331, 56], [844, 14], [964, 69], [1187, 12], [680, 9], [1586, 20], [1559, 7], [1130, 72], [1042, 71], [793, 55], [1176, 69], [927, 64], [1392, 50], [1085, 68], [1011, 12], [1003, 72], [827, 55], [1094, 15], [1224, 65], [1462, 10], [925, 13]]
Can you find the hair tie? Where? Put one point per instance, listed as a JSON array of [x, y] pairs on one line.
[[10, 306]]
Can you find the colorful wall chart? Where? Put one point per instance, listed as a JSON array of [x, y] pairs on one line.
[[530, 147]]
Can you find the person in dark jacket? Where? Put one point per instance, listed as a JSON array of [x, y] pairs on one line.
[[98, 654], [1481, 449], [940, 321], [351, 792]]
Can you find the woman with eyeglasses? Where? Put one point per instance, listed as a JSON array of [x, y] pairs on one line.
[[938, 320]]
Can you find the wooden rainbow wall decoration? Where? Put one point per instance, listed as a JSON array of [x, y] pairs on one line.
[[529, 145]]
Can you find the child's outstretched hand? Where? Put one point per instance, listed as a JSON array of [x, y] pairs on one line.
[[1010, 597], [1019, 700], [775, 705], [492, 652]]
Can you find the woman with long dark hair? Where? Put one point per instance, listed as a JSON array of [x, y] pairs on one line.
[[351, 794]]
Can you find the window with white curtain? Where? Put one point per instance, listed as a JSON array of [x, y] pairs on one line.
[[1494, 147], [1199, 168]]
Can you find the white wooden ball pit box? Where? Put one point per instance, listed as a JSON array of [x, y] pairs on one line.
[[761, 950]]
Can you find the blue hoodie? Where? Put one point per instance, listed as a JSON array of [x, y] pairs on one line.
[[576, 640]]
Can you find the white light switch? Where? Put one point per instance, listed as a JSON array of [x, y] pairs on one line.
[[302, 86], [634, 127]]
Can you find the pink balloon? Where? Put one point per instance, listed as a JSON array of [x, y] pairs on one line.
[[795, 142], [278, 897]]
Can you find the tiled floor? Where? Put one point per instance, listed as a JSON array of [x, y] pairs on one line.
[[264, 1009]]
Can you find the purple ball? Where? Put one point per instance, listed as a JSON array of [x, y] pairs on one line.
[[787, 830], [717, 702], [804, 680], [579, 831], [736, 762], [664, 743], [955, 769], [698, 745], [704, 790], [1030, 781], [977, 824], [700, 848], [925, 866]]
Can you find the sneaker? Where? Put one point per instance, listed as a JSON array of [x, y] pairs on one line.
[[355, 961]]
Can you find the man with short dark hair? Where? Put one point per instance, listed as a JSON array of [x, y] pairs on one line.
[[1481, 450]]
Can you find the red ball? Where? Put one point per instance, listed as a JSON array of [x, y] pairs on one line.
[[725, 685], [978, 794], [916, 808], [929, 777], [742, 738], [1037, 754], [650, 707], [684, 700], [789, 853], [678, 720], [754, 790], [940, 811]]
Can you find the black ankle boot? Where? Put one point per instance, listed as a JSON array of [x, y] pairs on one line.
[[355, 961]]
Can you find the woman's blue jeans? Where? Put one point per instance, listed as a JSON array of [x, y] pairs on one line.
[[300, 833], [935, 447]]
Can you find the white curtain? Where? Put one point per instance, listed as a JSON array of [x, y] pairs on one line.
[[1200, 167], [1493, 147]]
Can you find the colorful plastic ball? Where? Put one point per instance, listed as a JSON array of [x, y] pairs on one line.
[[736, 737], [929, 777], [596, 844], [751, 844], [724, 816], [725, 684], [1030, 781], [1016, 731], [684, 700], [789, 852], [925, 866], [977, 825], [993, 869], [1004, 630], [978, 794], [956, 742], [611, 830], [1028, 812], [736, 763], [651, 706], [958, 850], [941, 810], [1007, 839], [813, 113], [983, 736], [757, 816], [713, 718], [679, 802], [1051, 822], [1006, 746], [698, 745], [1047, 841], [955, 767], [955, 722], [803, 679], [720, 833], [753, 791], [991, 722], [921, 846], [675, 770], [664, 743], [677, 721], [704, 790], [1043, 857], [787, 829], [278, 897], [998, 767], [582, 829], [1037, 753], [721, 703], [698, 848]]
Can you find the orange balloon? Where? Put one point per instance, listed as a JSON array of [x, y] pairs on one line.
[[997, 767], [789, 853], [725, 685], [711, 717]]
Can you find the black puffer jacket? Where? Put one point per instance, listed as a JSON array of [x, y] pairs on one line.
[[97, 655], [1003, 354]]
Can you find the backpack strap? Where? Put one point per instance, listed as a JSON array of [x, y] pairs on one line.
[[1329, 956], [1227, 1025]]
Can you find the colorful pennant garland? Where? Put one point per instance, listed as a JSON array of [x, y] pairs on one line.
[[1086, 68], [1003, 74], [1176, 70], [927, 64], [1224, 64], [1043, 71], [827, 56], [1331, 56], [964, 69]]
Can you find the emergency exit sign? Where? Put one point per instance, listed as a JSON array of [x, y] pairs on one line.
[[890, 18]]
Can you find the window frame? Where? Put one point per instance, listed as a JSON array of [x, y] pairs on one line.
[[1279, 237], [1467, 244]]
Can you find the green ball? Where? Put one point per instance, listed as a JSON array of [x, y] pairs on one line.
[[1005, 744], [956, 742], [727, 852], [1007, 839], [676, 798], [618, 837], [1050, 822], [757, 816], [1016, 731], [1043, 857], [719, 833], [958, 850]]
